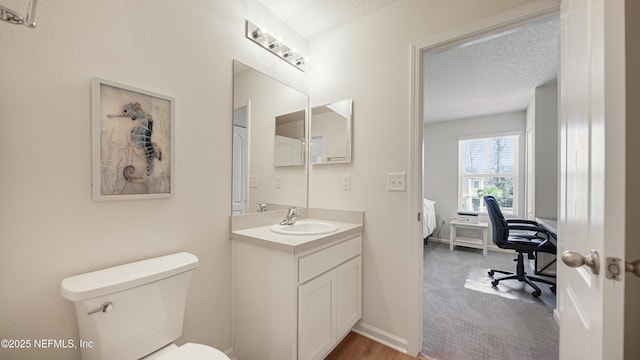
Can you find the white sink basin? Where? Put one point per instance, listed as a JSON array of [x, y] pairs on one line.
[[305, 227]]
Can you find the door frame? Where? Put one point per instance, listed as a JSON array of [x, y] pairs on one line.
[[519, 16]]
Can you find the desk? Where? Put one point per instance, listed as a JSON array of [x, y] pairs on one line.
[[472, 242], [551, 225], [547, 262]]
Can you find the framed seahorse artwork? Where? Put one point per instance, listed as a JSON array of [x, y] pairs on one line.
[[132, 142]]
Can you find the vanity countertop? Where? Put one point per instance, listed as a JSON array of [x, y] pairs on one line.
[[263, 236]]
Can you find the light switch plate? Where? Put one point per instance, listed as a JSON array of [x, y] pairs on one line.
[[396, 181], [253, 181], [346, 182]]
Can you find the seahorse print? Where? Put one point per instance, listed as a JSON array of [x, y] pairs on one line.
[[141, 135]]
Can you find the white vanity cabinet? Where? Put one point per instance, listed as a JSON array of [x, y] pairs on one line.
[[330, 303], [295, 306]]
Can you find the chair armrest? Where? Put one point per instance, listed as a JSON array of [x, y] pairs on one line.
[[534, 228], [525, 240], [522, 221], [528, 228], [537, 229]]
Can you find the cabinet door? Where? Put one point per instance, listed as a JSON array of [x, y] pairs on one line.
[[317, 317], [348, 295]]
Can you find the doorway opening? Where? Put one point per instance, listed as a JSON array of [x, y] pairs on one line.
[[440, 129]]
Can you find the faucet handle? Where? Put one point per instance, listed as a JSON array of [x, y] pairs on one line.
[[291, 217]]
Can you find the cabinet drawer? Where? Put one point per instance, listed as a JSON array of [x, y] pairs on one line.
[[319, 262]]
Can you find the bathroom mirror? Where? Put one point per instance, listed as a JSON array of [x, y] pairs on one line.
[[263, 108], [331, 133]]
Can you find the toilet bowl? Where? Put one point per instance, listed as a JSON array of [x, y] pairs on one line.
[[136, 310]]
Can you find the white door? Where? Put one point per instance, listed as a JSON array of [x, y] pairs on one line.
[[239, 191], [317, 317], [317, 149], [348, 295], [240, 168], [592, 161]]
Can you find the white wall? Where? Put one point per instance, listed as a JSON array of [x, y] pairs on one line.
[[545, 124], [368, 60], [441, 158], [49, 226]]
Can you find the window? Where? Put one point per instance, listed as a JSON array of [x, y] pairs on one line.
[[488, 166]]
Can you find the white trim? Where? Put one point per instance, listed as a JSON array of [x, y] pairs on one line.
[[491, 135], [528, 13], [415, 204], [380, 336]]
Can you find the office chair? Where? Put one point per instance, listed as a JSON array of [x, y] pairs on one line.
[[534, 239]]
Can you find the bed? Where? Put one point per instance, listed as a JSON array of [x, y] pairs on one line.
[[429, 221]]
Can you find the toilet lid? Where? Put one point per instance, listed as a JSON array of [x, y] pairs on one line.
[[194, 351]]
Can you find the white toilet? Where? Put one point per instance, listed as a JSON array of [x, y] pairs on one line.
[[135, 310]]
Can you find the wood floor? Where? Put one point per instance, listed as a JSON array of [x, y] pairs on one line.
[[358, 347]]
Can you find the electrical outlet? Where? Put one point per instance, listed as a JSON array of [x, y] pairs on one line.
[[346, 182], [278, 182], [396, 181]]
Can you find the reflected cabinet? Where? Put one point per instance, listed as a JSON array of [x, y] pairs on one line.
[[331, 133]]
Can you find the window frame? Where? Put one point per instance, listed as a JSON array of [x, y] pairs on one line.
[[517, 176]]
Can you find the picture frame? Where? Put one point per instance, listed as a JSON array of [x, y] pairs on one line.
[[132, 136]]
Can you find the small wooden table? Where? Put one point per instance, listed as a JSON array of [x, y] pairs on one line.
[[472, 242]]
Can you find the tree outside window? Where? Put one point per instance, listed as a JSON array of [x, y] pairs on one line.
[[488, 166]]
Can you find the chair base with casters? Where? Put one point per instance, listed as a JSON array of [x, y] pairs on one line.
[[528, 237], [521, 276]]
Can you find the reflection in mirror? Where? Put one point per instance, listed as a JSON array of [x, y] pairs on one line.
[[259, 183], [289, 141], [331, 133]]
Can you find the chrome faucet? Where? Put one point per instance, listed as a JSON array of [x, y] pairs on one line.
[[292, 216], [262, 207]]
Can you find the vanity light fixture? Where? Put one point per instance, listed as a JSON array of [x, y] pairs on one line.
[[275, 45], [13, 17]]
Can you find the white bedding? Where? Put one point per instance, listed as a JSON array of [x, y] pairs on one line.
[[429, 221]]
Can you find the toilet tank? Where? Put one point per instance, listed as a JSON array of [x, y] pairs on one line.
[[131, 310]]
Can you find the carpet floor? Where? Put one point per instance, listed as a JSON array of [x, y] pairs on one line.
[[463, 323]]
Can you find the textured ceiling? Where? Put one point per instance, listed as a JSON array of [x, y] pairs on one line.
[[311, 17], [492, 75]]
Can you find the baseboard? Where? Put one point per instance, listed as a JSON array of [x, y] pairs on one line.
[[383, 337], [229, 353], [490, 246], [438, 240], [378, 335], [556, 314]]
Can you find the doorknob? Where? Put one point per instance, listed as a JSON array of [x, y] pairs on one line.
[[575, 259], [633, 267]]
